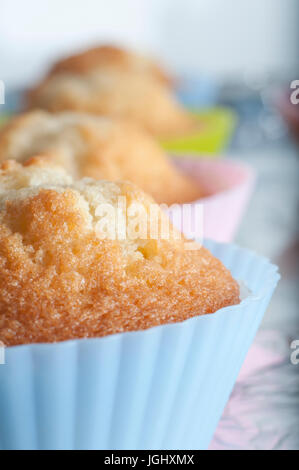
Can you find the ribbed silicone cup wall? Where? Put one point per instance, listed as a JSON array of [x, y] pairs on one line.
[[163, 388]]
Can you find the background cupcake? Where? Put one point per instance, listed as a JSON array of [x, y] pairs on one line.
[[115, 83], [98, 147]]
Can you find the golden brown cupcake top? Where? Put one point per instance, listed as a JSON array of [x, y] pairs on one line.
[[98, 147], [109, 81], [63, 276], [110, 56]]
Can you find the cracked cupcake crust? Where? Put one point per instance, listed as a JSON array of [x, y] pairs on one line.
[[60, 279], [98, 147], [115, 83]]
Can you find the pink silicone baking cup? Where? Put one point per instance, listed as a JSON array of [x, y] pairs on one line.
[[228, 186]]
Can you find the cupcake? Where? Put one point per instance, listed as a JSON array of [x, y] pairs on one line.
[[116, 83], [66, 272], [111, 57], [98, 147], [138, 338]]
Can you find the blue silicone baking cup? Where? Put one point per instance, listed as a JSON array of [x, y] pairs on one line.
[[162, 388]]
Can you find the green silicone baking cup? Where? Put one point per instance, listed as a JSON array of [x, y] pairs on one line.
[[217, 126]]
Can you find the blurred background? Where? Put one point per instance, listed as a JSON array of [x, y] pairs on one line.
[[241, 55], [225, 39]]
